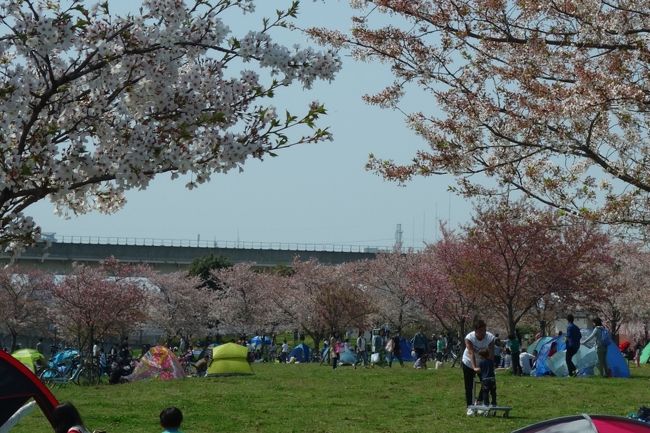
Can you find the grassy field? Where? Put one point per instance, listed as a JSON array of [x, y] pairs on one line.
[[312, 398]]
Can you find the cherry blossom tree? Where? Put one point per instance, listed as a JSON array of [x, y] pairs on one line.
[[522, 254], [96, 302], [244, 304], [24, 295], [93, 104], [387, 278], [179, 305], [548, 97], [620, 295], [324, 299], [443, 282]]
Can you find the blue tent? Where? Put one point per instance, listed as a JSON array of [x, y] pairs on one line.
[[347, 357], [537, 344], [585, 360], [542, 368], [405, 350], [301, 353], [616, 361]]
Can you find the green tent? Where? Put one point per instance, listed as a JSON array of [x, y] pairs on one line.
[[645, 354], [29, 357], [229, 358]]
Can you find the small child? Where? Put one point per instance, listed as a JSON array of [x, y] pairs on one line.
[[170, 420], [488, 379]]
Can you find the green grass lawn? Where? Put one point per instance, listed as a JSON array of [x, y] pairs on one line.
[[312, 398]]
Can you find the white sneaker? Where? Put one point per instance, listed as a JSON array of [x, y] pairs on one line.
[[470, 411]]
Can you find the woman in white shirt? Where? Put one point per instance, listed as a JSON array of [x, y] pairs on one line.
[[475, 341]]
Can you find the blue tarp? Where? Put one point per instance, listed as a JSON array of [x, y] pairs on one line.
[[63, 357], [301, 353], [259, 340], [61, 361]]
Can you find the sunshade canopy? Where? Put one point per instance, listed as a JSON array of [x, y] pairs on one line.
[[17, 385], [587, 424]]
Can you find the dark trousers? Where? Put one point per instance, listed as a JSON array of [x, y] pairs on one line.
[[570, 351], [488, 390], [468, 376], [392, 356], [516, 368]]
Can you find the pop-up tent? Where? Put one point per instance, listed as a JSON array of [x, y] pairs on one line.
[[537, 344], [587, 424], [347, 357], [17, 386], [229, 359], [158, 363], [29, 357], [301, 353], [545, 352], [585, 361]]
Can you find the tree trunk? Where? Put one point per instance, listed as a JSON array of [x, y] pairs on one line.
[[542, 327], [14, 338]]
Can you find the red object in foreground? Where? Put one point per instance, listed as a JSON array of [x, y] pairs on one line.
[[624, 345], [17, 385], [588, 424]]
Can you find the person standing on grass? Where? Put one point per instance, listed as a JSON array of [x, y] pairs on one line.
[[638, 348], [601, 339], [284, 352], [513, 342], [441, 348], [362, 356], [420, 345], [488, 379], [573, 337], [394, 350], [335, 349], [475, 341]]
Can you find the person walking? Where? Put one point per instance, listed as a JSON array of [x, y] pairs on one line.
[[335, 350], [362, 356], [600, 338], [441, 348], [573, 337], [394, 350], [420, 345], [475, 341]]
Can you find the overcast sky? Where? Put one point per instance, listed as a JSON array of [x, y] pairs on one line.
[[309, 194]]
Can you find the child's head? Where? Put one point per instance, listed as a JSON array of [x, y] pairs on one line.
[[171, 418], [484, 353]]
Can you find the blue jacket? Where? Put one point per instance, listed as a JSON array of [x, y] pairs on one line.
[[487, 369], [573, 336]]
